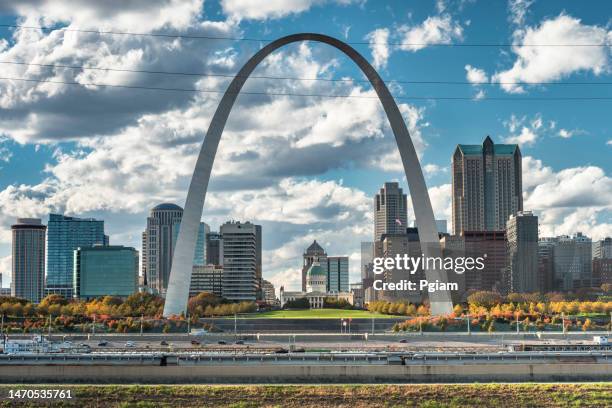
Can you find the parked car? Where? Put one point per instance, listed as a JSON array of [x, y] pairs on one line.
[[240, 342], [195, 342], [102, 343], [163, 343], [130, 344], [221, 342]]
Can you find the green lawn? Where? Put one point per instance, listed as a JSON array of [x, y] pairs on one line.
[[316, 314]]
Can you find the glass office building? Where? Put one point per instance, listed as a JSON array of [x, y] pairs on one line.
[[105, 271], [337, 274], [64, 235]]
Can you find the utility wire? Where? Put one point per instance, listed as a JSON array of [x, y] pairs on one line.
[[214, 91], [208, 74], [252, 39]]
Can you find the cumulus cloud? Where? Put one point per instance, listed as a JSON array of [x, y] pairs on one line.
[[570, 200], [439, 29], [271, 9], [431, 169], [522, 131], [379, 39], [139, 15], [51, 111], [475, 75], [543, 64]]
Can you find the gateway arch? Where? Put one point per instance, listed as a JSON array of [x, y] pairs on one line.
[[182, 262]]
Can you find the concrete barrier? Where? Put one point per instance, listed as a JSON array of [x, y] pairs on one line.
[[425, 373]]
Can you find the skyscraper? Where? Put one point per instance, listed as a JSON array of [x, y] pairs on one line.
[[337, 273], [64, 235], [522, 236], [573, 266], [28, 253], [206, 278], [546, 264], [492, 246], [392, 245], [487, 186], [602, 249], [314, 253], [158, 245], [105, 271], [214, 249], [241, 260], [390, 211]]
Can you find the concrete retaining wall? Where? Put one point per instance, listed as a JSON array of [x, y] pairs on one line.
[[308, 374]]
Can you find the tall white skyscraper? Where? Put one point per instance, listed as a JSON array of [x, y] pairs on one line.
[[487, 186], [241, 260], [390, 211]]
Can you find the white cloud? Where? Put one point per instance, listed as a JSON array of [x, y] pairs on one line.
[[609, 142], [271, 9], [434, 30], [6, 270], [379, 39], [391, 160], [139, 15], [527, 136], [5, 152], [568, 133], [523, 132], [48, 112], [544, 64], [518, 10], [534, 173], [430, 169], [476, 75], [571, 200]]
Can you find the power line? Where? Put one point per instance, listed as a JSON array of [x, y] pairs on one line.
[[208, 74], [214, 91], [252, 39]]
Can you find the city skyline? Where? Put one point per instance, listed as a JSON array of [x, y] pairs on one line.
[[118, 169]]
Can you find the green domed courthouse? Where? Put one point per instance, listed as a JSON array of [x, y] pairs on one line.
[[316, 289]]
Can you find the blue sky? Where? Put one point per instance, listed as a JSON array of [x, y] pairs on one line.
[[305, 168]]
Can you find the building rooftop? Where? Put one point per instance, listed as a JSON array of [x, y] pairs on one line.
[[501, 149], [167, 207], [315, 248]]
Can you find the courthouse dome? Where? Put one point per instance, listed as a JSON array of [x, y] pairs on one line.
[[316, 270]]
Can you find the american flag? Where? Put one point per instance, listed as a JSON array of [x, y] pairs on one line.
[[398, 221]]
